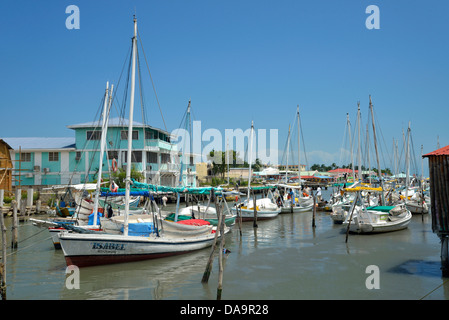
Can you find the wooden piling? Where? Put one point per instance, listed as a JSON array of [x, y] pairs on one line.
[[208, 269], [314, 210], [220, 257], [255, 210], [350, 217], [3, 261], [15, 225]]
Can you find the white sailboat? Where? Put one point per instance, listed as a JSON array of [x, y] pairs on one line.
[[297, 202], [376, 219], [265, 208], [97, 249]]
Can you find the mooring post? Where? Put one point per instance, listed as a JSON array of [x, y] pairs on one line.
[[15, 225], [314, 210], [255, 210], [444, 255], [206, 273], [220, 228], [3, 261]]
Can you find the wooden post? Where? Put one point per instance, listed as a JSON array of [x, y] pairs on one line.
[[314, 210], [3, 261], [444, 255], [206, 273], [15, 225], [220, 256], [350, 217], [255, 210]]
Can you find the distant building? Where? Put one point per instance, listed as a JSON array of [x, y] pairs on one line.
[[62, 161]]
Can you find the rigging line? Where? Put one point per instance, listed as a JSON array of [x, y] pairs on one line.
[[151, 78]]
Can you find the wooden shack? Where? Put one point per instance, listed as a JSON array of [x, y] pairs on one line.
[[5, 166], [439, 197]]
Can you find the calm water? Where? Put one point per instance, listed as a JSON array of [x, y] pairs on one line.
[[284, 258]]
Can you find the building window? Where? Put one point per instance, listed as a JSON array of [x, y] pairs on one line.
[[124, 135], [165, 157], [136, 156], [149, 135], [53, 156], [78, 156], [113, 154], [93, 135], [151, 157], [25, 157]]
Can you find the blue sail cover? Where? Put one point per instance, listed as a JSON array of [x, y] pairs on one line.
[[143, 193]]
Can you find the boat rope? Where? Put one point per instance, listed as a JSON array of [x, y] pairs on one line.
[[444, 282], [151, 78], [34, 243]]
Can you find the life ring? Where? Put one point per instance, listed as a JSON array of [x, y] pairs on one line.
[[114, 165]]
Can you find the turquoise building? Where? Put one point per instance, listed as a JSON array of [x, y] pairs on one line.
[[64, 161]]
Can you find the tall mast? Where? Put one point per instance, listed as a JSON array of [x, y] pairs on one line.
[[104, 126], [299, 150], [379, 173], [130, 128], [350, 142], [288, 146], [359, 151], [407, 163], [250, 158]]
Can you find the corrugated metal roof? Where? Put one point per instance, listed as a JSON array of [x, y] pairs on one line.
[[114, 122], [440, 152], [40, 143]]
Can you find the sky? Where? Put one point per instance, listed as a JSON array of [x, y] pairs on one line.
[[237, 61]]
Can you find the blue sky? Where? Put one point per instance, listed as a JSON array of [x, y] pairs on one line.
[[237, 61]]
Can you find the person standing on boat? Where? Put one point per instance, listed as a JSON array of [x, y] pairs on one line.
[[318, 193]]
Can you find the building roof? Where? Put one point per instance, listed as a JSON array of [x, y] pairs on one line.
[[440, 152], [32, 143], [114, 122], [341, 170]]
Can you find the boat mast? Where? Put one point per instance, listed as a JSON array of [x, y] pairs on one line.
[[288, 146], [359, 152], [299, 158], [130, 128], [377, 153], [104, 127], [407, 163], [250, 158], [350, 142]]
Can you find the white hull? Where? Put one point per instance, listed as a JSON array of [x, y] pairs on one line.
[[372, 221], [416, 207], [295, 209], [85, 250], [248, 214]]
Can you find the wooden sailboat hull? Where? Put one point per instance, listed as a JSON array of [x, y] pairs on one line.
[[296, 209], [381, 225], [85, 250], [248, 214]]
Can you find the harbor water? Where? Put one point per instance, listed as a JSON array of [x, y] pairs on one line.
[[282, 259]]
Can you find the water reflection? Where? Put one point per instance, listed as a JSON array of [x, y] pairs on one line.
[[283, 258]]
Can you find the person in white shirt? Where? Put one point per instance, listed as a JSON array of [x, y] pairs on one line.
[[318, 193]]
